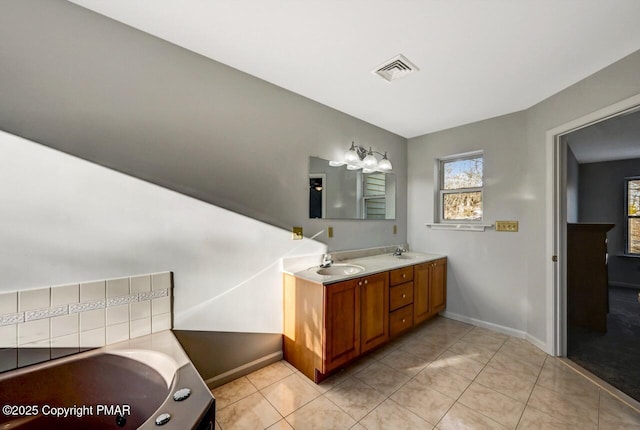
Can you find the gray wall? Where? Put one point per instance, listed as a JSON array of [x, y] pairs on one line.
[[486, 278], [93, 87], [602, 200], [520, 192]]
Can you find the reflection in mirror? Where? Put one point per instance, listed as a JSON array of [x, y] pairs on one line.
[[339, 193]]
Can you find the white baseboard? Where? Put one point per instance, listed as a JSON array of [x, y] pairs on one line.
[[245, 369], [484, 324], [499, 328]]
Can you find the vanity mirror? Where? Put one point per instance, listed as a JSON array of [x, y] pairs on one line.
[[336, 192]]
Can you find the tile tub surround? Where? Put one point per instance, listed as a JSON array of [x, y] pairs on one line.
[[45, 323], [458, 386]]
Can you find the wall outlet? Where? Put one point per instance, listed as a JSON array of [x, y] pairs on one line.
[[329, 231], [395, 229], [297, 233], [511, 226]]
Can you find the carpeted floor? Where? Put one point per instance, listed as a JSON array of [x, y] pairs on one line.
[[614, 356]]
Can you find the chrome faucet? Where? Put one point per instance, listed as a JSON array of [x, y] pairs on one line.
[[326, 260], [398, 252]]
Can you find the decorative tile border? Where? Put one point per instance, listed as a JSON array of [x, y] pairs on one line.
[[123, 300], [73, 308], [9, 319], [39, 314], [150, 295]]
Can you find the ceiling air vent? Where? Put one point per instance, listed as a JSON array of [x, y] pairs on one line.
[[395, 68]]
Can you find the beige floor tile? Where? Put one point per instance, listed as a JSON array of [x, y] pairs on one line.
[[289, 394], [217, 426], [332, 381], [442, 380], [507, 361], [358, 426], [568, 409], [390, 415], [428, 404], [479, 353], [488, 332], [281, 425], [359, 365], [232, 392], [524, 350], [355, 397], [533, 419], [460, 417], [404, 362], [268, 375], [459, 364], [560, 378], [481, 338], [423, 349], [252, 412], [383, 351], [492, 404], [383, 378], [616, 415], [516, 385], [320, 414]]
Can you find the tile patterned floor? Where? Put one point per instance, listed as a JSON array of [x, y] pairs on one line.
[[444, 375]]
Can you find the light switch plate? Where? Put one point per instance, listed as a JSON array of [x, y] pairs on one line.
[[510, 226], [297, 233], [330, 231]]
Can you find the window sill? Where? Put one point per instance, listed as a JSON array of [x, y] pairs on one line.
[[628, 255], [458, 227]]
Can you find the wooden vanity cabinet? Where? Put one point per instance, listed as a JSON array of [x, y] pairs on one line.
[[327, 326], [374, 310], [401, 298], [430, 289], [342, 323]]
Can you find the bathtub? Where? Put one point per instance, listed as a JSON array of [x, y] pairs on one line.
[[127, 385]]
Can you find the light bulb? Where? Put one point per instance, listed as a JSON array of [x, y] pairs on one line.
[[351, 156], [370, 161], [384, 164]]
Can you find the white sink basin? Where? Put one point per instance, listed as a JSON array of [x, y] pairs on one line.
[[340, 269]]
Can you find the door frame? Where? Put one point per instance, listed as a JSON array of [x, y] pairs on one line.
[[556, 218]]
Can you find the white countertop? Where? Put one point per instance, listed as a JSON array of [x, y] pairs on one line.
[[373, 264]]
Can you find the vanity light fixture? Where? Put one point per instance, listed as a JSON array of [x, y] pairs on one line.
[[358, 157]]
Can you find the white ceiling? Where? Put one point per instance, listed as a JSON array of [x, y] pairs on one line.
[[478, 59], [617, 138]]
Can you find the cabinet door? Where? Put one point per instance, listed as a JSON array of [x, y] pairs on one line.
[[438, 281], [341, 340], [374, 310], [421, 296]]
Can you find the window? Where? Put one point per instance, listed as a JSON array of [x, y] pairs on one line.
[[460, 196], [632, 211], [374, 196]]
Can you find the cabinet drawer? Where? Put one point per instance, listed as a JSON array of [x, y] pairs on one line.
[[400, 276], [400, 295], [401, 320]]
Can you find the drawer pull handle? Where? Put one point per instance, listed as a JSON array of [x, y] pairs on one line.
[[404, 320], [404, 296], [366, 282], [404, 275], [360, 283]]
